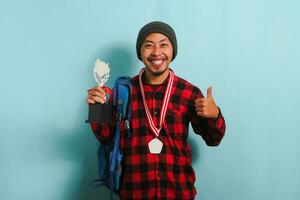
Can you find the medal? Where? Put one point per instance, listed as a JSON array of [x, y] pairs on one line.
[[155, 145]]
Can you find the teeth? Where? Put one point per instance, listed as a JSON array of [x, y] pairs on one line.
[[157, 62]]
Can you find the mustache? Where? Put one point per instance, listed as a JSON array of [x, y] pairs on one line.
[[152, 57]]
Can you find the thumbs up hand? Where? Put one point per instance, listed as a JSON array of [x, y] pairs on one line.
[[206, 106]]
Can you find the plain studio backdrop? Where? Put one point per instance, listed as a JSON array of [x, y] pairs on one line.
[[247, 50]]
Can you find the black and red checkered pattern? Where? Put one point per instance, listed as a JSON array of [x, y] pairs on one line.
[[168, 175]]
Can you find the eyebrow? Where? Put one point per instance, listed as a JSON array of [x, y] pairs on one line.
[[165, 39]]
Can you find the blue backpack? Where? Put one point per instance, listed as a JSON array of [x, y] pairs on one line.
[[109, 155]]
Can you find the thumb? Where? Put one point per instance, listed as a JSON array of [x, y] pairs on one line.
[[209, 91]]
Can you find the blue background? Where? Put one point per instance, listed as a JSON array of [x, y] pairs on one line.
[[247, 50]]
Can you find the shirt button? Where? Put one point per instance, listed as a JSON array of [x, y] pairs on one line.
[[155, 113]]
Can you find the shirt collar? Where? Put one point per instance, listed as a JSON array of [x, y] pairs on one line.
[[166, 81]]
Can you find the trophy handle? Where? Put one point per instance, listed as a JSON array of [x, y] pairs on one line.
[[101, 113]]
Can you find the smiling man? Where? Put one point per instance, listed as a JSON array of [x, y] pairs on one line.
[[157, 157]]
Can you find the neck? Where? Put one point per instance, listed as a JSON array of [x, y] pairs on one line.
[[156, 79]]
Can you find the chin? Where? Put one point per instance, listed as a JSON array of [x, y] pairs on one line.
[[159, 71]]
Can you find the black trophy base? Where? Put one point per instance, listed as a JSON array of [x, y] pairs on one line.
[[100, 113]]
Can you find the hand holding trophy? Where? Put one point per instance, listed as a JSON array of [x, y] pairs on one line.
[[99, 109]]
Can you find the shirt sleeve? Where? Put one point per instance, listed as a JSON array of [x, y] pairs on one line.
[[103, 132], [212, 130]]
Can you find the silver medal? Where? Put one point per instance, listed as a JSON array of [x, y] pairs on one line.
[[155, 146]]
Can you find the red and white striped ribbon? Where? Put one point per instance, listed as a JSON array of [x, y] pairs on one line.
[[166, 99]]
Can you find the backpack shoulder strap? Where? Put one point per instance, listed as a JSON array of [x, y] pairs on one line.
[[121, 104], [122, 101], [109, 155]]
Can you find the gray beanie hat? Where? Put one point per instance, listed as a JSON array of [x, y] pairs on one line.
[[156, 27]]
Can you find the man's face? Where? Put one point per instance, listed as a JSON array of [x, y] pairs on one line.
[[156, 53]]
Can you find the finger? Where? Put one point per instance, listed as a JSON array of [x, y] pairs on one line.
[[98, 94], [200, 114], [199, 100], [98, 99], [209, 91], [203, 113], [201, 103], [97, 89], [90, 101], [100, 89], [200, 109], [95, 99]]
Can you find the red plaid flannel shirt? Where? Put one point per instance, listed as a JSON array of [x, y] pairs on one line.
[[168, 175]]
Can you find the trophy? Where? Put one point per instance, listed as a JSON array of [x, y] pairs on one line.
[[101, 72], [100, 113]]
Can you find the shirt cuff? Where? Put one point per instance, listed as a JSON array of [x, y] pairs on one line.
[[217, 122]]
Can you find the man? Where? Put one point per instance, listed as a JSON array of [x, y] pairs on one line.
[[157, 157]]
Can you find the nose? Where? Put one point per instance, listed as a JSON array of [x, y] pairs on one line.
[[156, 51]]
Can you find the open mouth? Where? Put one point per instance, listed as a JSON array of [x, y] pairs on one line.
[[157, 63]]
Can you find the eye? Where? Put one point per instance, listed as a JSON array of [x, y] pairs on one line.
[[147, 45], [164, 45]]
